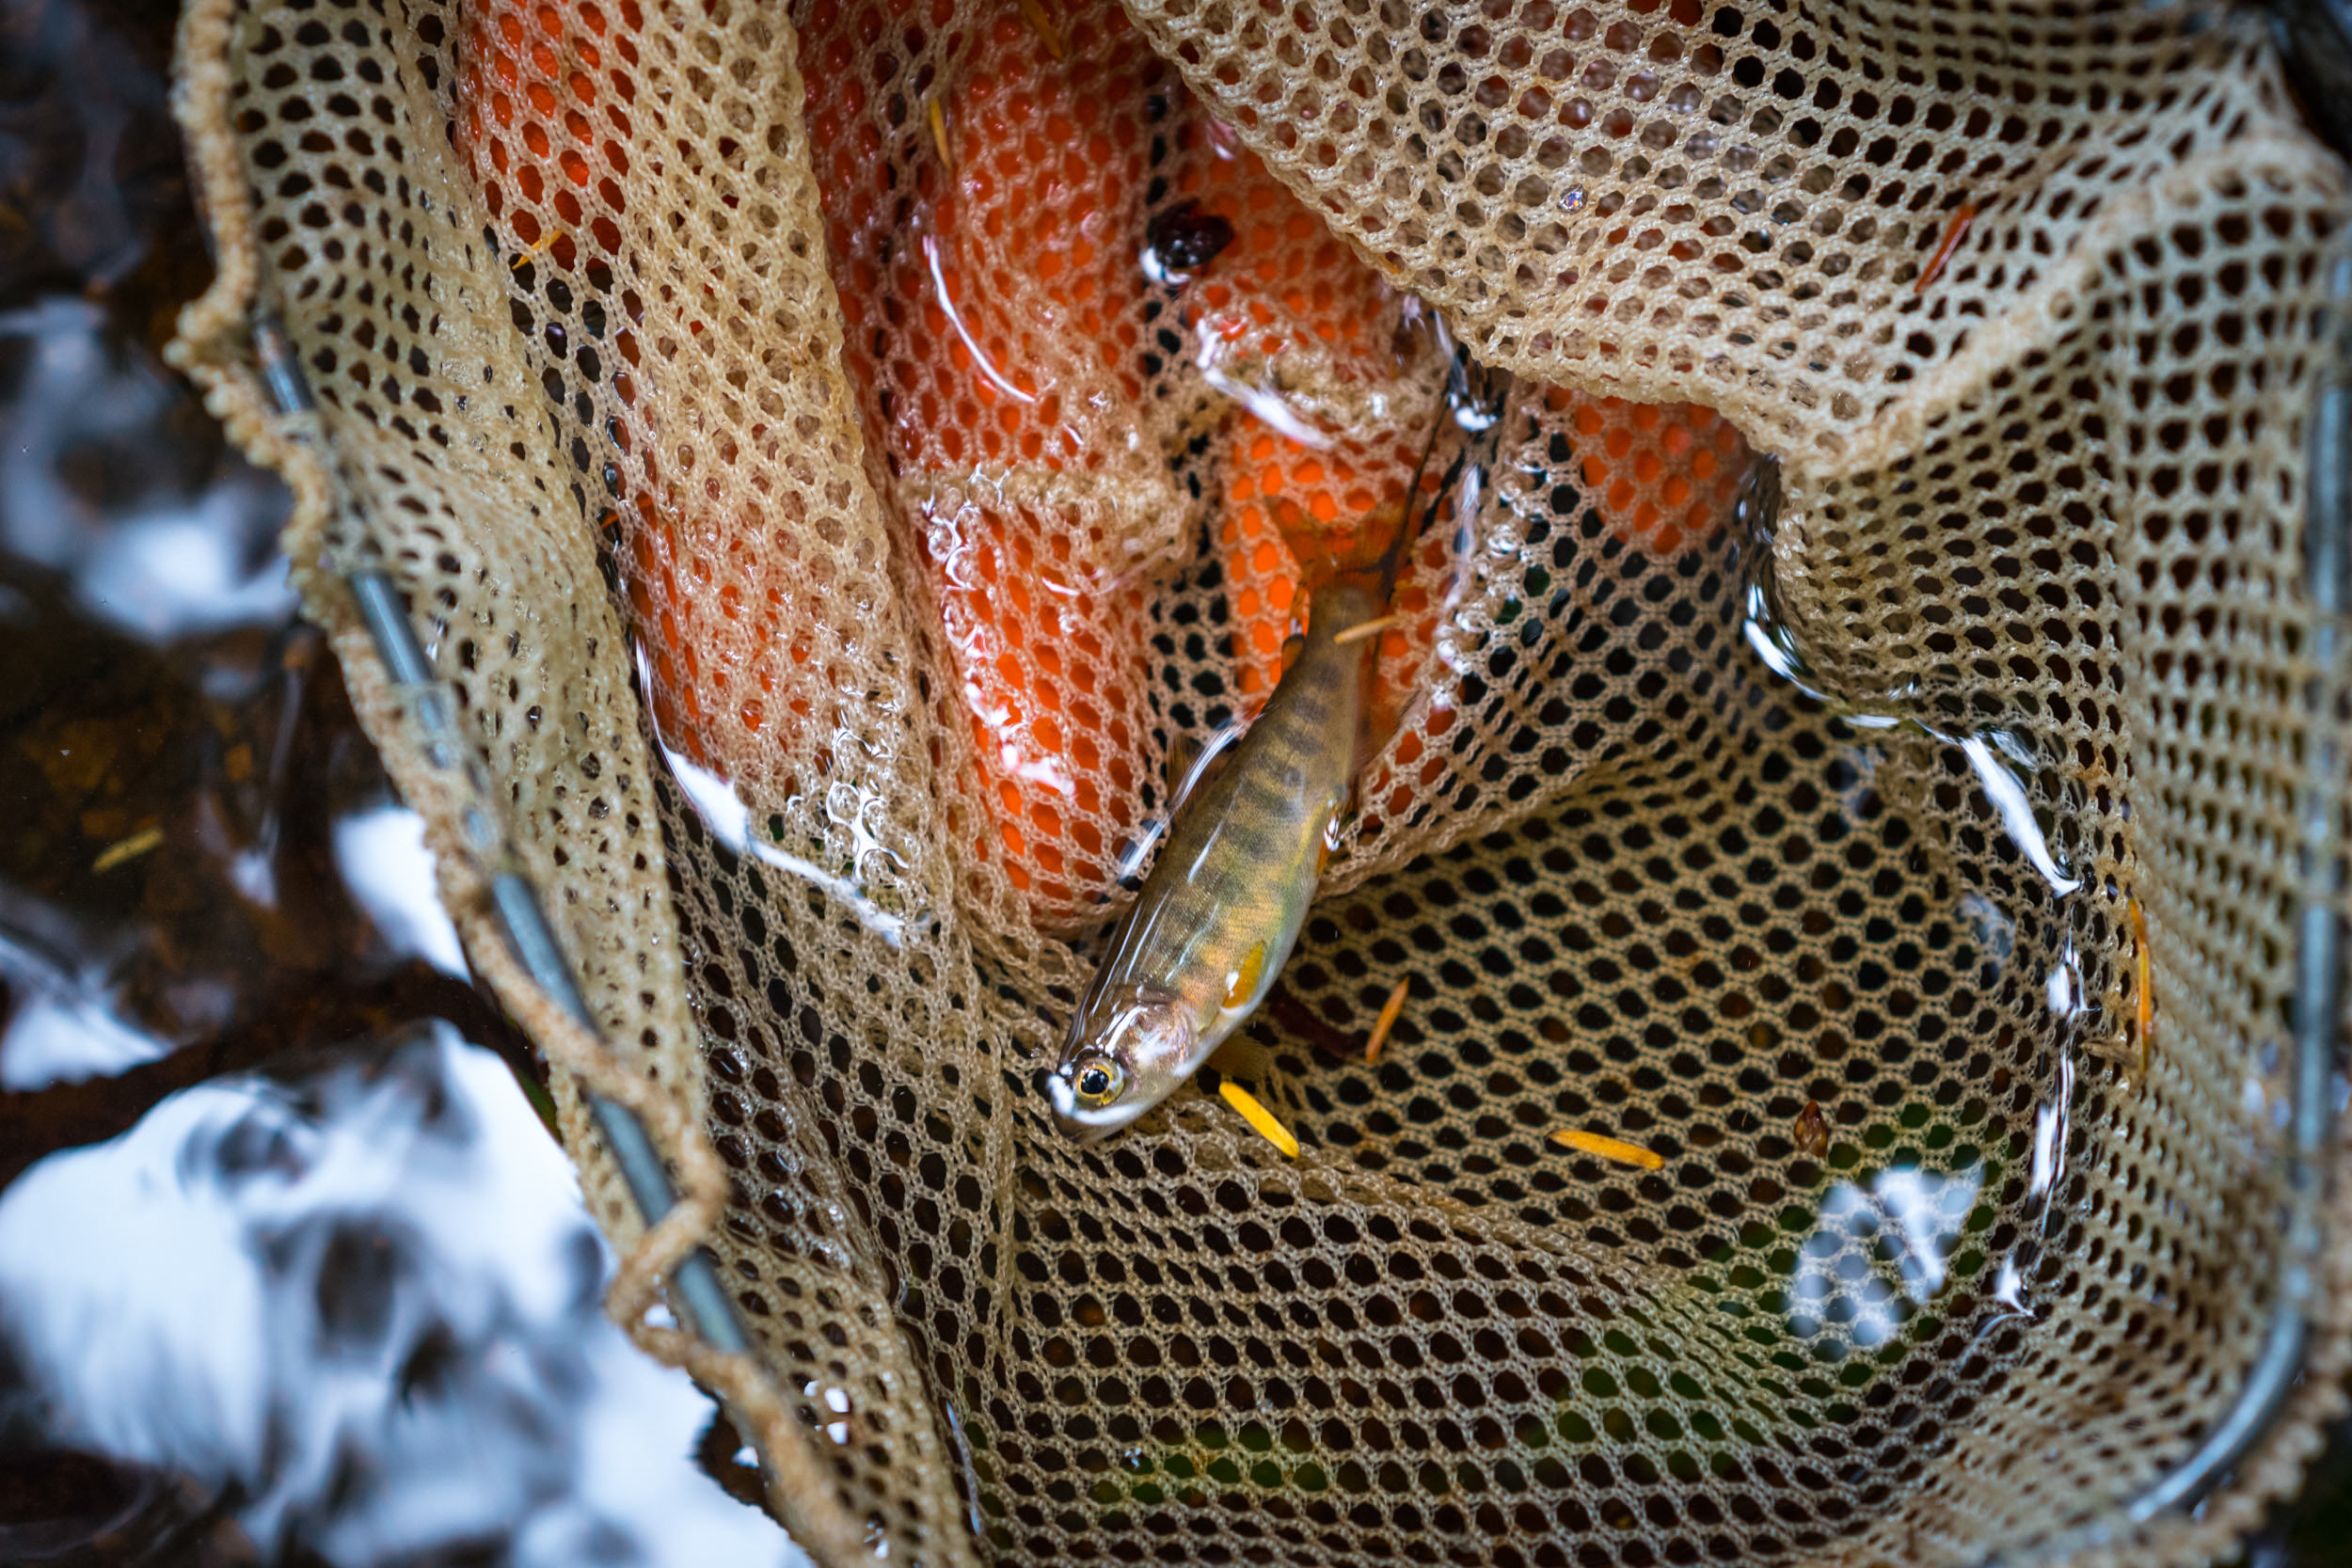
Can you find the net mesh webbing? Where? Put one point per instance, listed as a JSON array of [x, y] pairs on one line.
[[829, 524]]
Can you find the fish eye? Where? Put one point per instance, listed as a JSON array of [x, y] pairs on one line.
[[1098, 1079]]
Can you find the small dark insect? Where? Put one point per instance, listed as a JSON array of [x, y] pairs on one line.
[[1183, 239], [1812, 1129]]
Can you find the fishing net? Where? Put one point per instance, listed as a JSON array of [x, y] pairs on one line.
[[1850, 711]]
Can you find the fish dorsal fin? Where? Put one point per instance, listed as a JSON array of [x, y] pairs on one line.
[[1384, 715]]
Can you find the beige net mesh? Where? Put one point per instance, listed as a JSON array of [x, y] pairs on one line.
[[836, 455]]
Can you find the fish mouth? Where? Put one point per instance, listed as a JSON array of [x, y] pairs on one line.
[[1085, 1132]]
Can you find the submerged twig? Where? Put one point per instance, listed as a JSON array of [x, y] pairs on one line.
[[1387, 1020]]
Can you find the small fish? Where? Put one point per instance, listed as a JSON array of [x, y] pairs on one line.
[[1225, 902]]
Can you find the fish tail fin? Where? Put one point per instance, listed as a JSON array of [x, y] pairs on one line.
[[1473, 400]]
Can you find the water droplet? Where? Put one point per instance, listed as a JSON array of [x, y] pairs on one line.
[[728, 820], [2008, 795], [2064, 986], [1994, 754], [2049, 1137]]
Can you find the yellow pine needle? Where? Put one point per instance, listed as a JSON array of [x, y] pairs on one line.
[[1369, 629], [1385, 1021], [1044, 28], [2144, 987], [1260, 1117], [538, 247], [939, 132], [1609, 1148], [127, 849]]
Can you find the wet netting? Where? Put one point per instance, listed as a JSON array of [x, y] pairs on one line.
[[1850, 711]]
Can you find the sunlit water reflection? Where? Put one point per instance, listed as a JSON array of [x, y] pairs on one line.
[[1880, 1250], [317, 1307], [382, 857], [87, 488], [364, 1300]]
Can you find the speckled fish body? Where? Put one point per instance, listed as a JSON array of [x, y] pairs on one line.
[[1224, 904]]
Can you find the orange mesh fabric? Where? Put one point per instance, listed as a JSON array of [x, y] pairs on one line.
[[1334, 377], [543, 121], [1282, 497], [1665, 476], [1285, 317], [996, 314]]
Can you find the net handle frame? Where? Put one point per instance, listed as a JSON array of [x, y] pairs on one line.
[[715, 1336], [233, 344], [2314, 42], [2279, 1372]]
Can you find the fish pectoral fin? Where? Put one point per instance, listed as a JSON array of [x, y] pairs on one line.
[[1336, 821], [1242, 984], [1292, 646]]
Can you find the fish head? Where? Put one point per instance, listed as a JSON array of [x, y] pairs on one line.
[[1125, 1055]]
